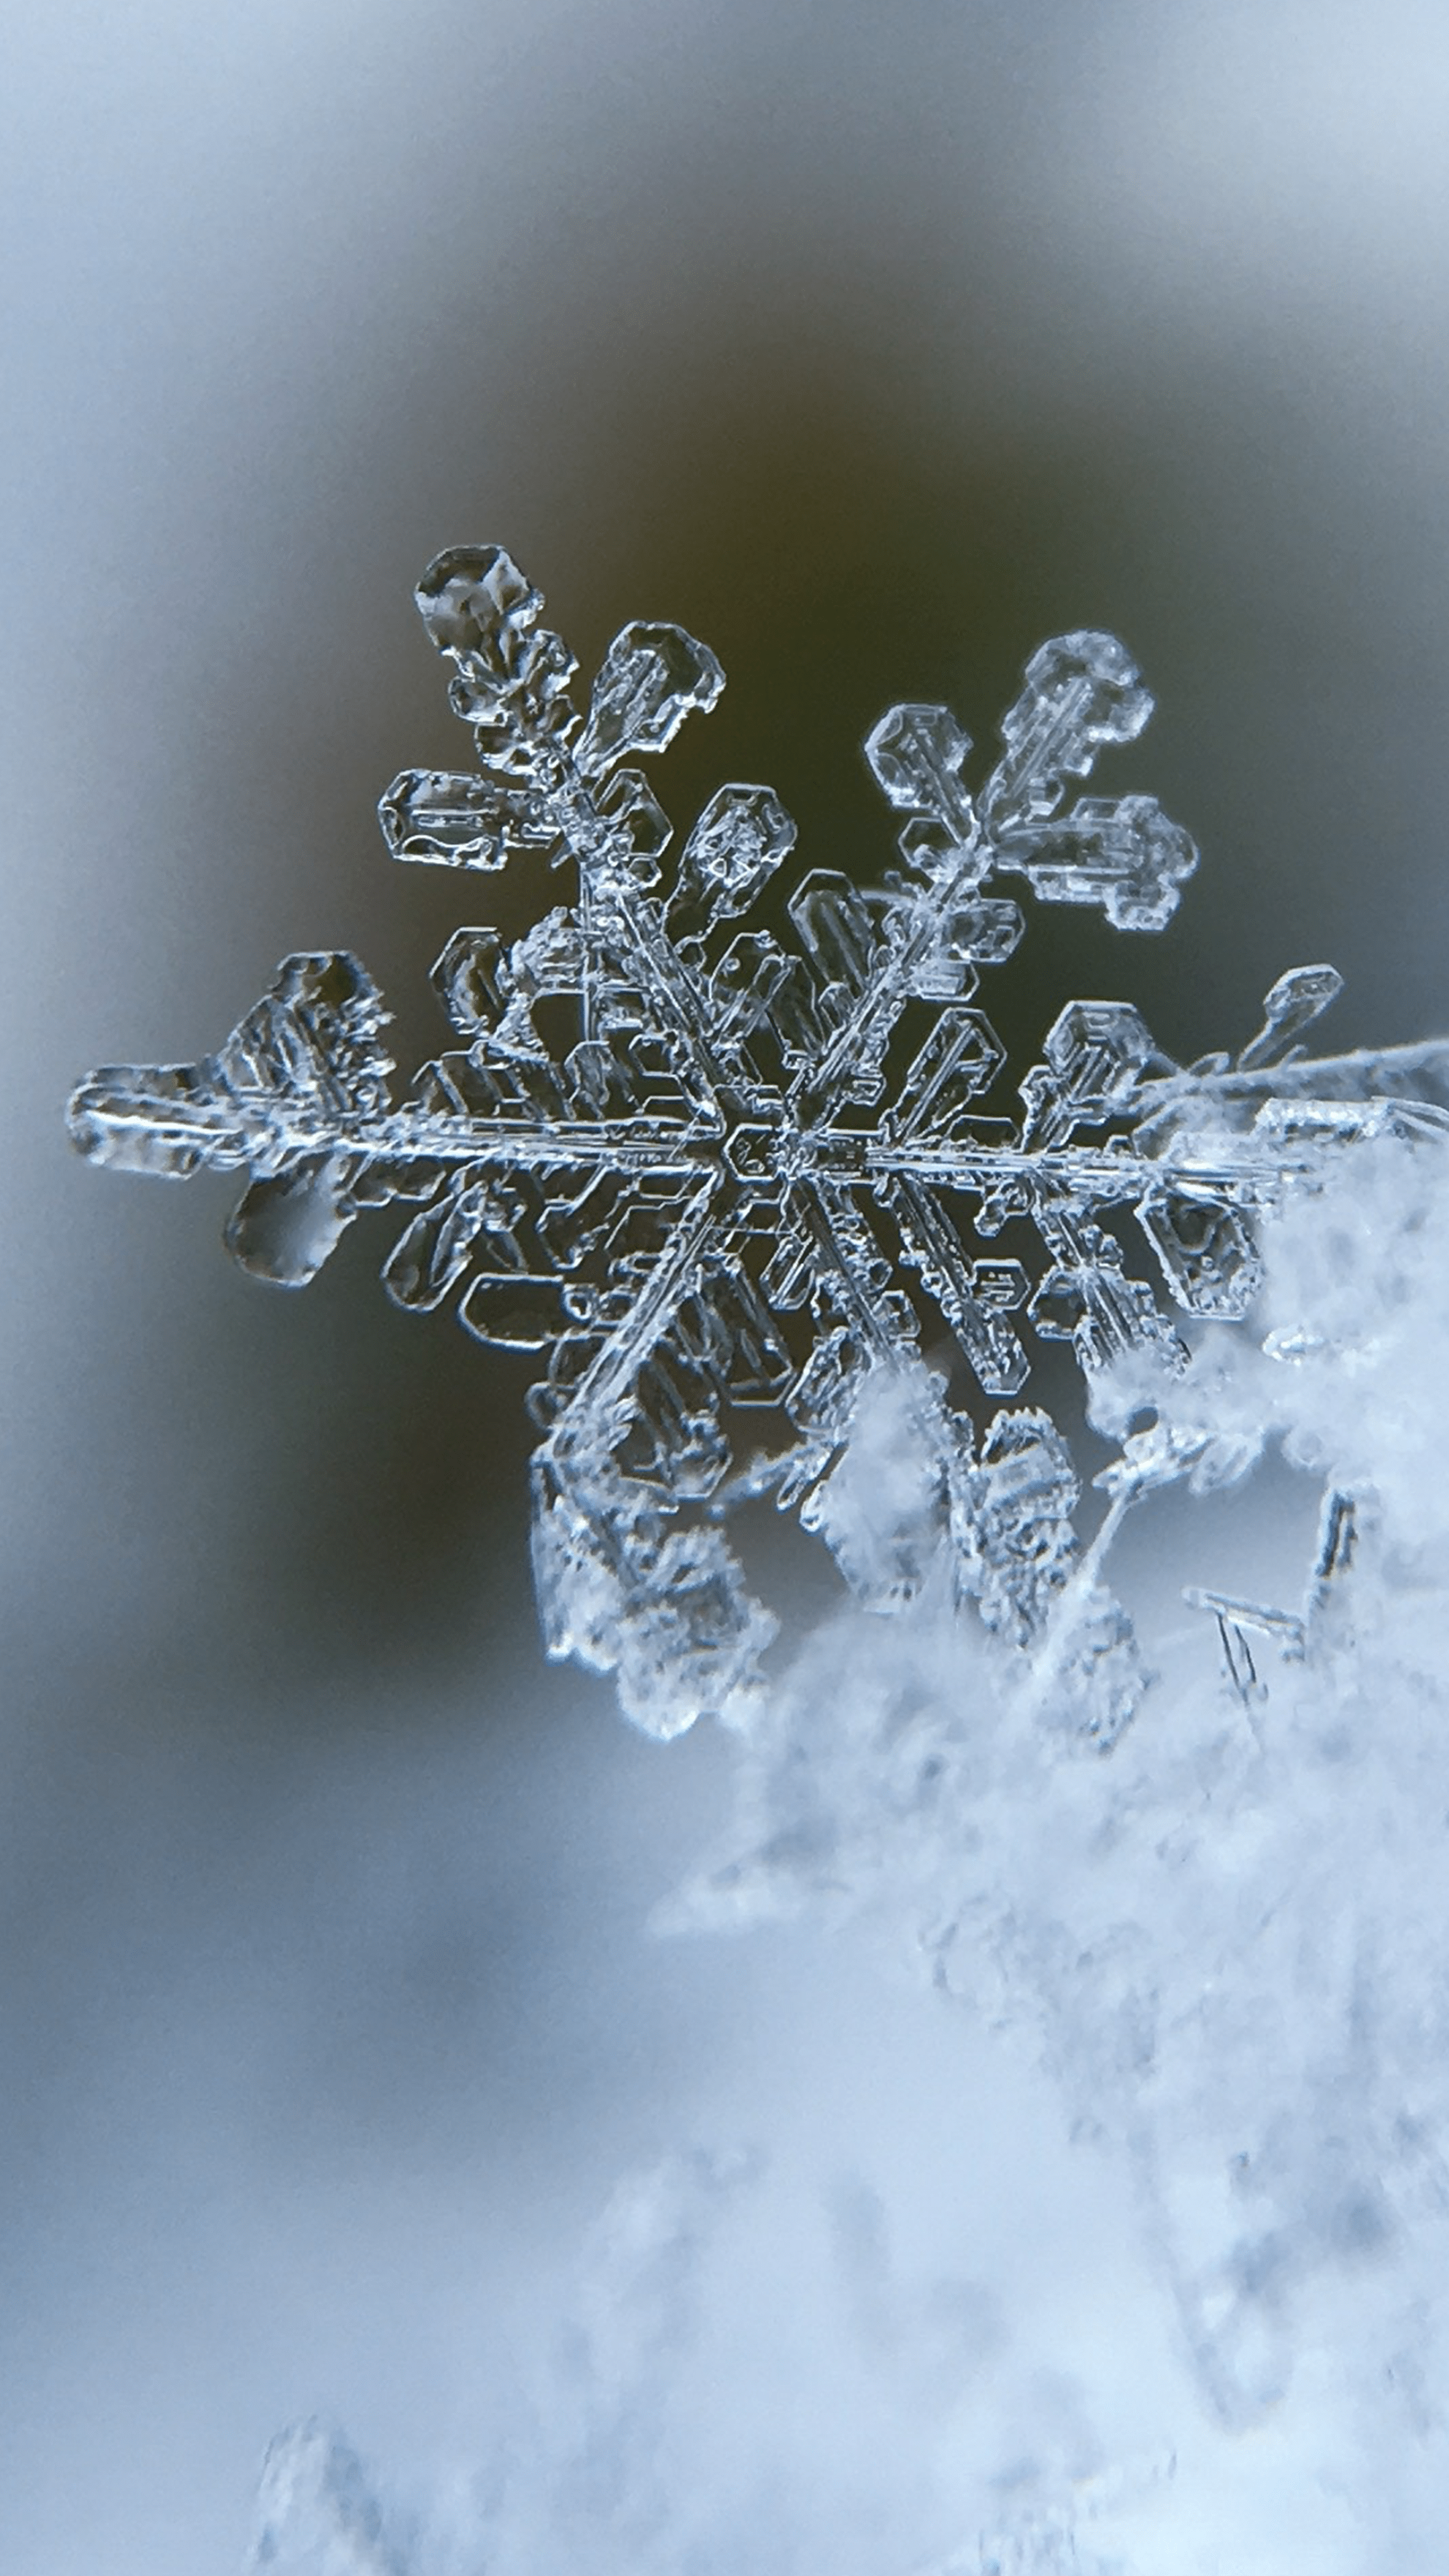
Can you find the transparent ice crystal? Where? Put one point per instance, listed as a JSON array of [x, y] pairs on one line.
[[764, 1158]]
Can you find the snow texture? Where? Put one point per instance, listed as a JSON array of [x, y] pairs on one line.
[[1224, 1944]]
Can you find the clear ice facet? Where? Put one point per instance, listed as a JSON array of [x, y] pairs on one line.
[[443, 820], [1295, 1002], [709, 1172], [733, 850], [1082, 692], [651, 679]]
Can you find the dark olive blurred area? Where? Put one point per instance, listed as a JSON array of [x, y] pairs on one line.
[[874, 346]]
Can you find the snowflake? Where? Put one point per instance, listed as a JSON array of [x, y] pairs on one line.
[[761, 1161]]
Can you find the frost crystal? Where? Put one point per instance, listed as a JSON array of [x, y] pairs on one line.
[[761, 1158]]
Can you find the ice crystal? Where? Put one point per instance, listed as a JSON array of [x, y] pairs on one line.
[[763, 1157]]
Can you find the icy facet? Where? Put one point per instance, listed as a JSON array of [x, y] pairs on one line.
[[1206, 1253], [917, 754], [735, 847], [707, 1171], [651, 678], [512, 676], [1082, 692], [446, 821], [1294, 1003]]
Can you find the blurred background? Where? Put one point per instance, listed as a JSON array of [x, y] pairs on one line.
[[873, 345]]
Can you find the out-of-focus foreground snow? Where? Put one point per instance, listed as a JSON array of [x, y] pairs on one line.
[[1224, 1941]]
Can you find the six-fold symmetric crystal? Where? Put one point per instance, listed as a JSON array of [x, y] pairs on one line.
[[764, 1158]]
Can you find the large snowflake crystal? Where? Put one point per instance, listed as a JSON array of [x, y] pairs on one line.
[[758, 1163]]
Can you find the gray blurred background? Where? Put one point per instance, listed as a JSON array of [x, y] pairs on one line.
[[872, 344]]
